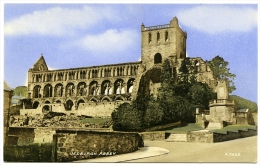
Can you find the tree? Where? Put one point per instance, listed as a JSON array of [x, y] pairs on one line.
[[127, 118], [20, 91], [220, 71], [199, 94], [172, 97]]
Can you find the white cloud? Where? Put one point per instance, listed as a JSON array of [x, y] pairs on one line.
[[110, 41], [59, 21], [216, 19]]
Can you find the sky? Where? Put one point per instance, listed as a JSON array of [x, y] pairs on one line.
[[83, 34]]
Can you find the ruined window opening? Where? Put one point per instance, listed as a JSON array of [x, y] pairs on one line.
[[158, 37], [166, 36], [48, 91], [149, 38], [157, 58]]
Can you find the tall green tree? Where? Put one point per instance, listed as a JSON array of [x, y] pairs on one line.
[[220, 70]]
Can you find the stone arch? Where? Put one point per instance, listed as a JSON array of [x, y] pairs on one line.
[[119, 98], [58, 101], [119, 87], [47, 91], [35, 104], [130, 85], [150, 81], [47, 102], [70, 89], [37, 91], [93, 88], [82, 89], [60, 76], [69, 105], [106, 87], [93, 99], [94, 73], [58, 91], [157, 58], [80, 101], [106, 99], [46, 109]]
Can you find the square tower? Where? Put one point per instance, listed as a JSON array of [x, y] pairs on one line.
[[162, 42]]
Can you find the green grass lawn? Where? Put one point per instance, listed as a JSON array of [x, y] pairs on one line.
[[185, 129], [233, 128]]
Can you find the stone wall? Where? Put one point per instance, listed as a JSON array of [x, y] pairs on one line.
[[202, 136], [94, 109], [217, 137], [71, 145], [30, 135], [25, 135], [153, 136], [205, 136], [7, 104], [100, 109], [255, 117], [44, 135]]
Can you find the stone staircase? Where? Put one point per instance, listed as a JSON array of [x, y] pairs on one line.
[[177, 138]]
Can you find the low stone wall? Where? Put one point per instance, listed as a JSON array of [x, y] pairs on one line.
[[205, 136], [30, 135], [71, 145], [218, 137], [153, 136], [25, 136]]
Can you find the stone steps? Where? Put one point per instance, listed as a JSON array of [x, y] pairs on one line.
[[177, 138]]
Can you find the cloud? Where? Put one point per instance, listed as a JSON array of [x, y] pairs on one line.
[[216, 19], [59, 21], [110, 41]]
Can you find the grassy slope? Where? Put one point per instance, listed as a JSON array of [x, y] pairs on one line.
[[185, 129], [234, 128]]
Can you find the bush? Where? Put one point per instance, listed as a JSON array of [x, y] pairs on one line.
[[127, 118], [153, 115]]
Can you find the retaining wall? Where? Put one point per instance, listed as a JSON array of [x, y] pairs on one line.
[[79, 145], [153, 136], [205, 136]]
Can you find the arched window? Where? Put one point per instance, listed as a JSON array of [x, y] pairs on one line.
[[35, 104], [158, 37], [149, 38], [69, 105], [157, 58], [47, 91], [166, 36]]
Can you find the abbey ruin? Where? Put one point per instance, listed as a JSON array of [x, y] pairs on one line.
[[98, 90]]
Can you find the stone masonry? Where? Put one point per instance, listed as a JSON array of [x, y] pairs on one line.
[[78, 89]]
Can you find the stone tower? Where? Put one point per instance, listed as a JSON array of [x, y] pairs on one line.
[[162, 42], [159, 43]]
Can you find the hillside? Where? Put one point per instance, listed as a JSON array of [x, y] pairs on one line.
[[244, 103], [20, 91]]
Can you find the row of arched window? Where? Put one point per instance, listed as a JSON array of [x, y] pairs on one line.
[[82, 89], [84, 74], [158, 37]]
